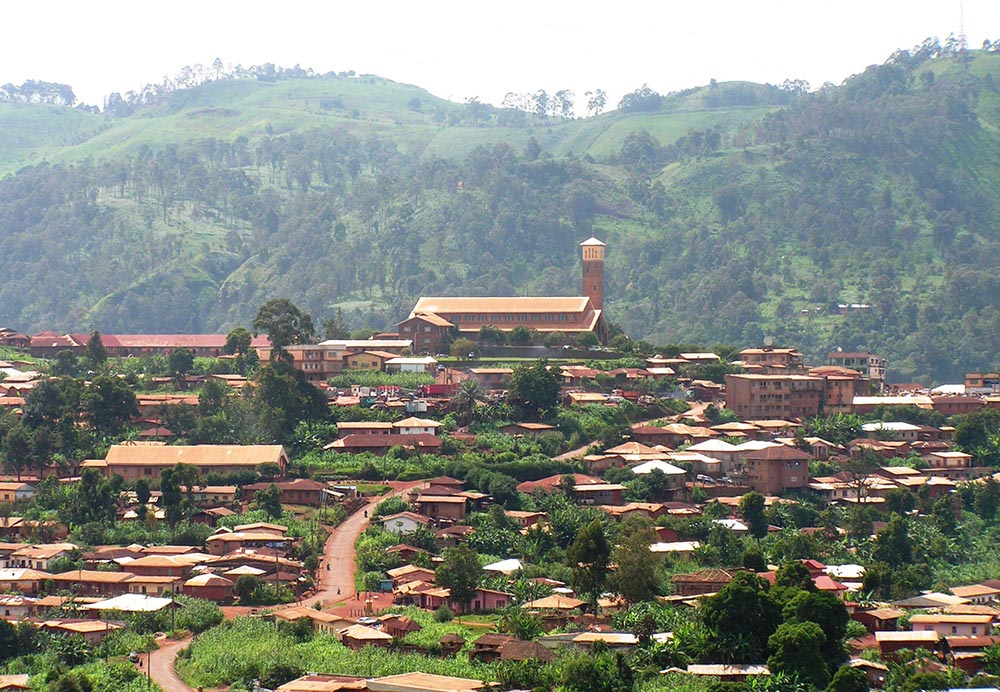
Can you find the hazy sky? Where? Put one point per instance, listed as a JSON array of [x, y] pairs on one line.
[[458, 50]]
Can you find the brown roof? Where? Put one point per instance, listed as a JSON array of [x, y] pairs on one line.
[[782, 452], [712, 576], [355, 440], [525, 651], [92, 576], [481, 305], [197, 455]]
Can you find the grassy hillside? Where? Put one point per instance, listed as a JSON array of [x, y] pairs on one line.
[[732, 211]]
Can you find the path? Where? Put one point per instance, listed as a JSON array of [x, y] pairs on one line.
[[161, 666], [337, 583]]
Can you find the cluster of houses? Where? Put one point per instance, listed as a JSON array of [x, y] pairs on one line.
[[259, 549]]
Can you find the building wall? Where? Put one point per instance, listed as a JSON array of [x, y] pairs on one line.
[[771, 476]]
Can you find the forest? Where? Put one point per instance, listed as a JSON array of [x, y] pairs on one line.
[[732, 212]]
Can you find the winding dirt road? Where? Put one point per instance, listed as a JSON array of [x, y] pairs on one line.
[[161, 666]]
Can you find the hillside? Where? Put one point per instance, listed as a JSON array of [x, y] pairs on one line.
[[732, 211]]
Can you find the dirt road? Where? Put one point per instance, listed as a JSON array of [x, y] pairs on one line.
[[161, 666]]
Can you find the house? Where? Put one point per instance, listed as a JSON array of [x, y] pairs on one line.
[[702, 582], [38, 557], [889, 643], [952, 625], [425, 364], [775, 396], [92, 631], [555, 483], [490, 378], [47, 344], [404, 523], [357, 637], [226, 541], [416, 426], [211, 587], [153, 586], [600, 493], [380, 444], [133, 462], [768, 357], [442, 508], [345, 428], [22, 580], [728, 672], [176, 566], [92, 582], [11, 683], [410, 573], [424, 682], [555, 602], [15, 491], [879, 619], [301, 491], [213, 495], [322, 622], [978, 594], [527, 429], [483, 600], [367, 360], [312, 682], [777, 469]]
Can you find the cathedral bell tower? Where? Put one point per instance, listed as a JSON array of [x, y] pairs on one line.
[[593, 271]]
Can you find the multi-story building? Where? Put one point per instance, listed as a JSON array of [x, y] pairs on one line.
[[755, 396], [769, 358], [776, 469], [870, 365]]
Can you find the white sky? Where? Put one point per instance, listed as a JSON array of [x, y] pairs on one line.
[[458, 50]]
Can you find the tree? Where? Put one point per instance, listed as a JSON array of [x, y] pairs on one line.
[[596, 101], [460, 574], [795, 650], [17, 450], [519, 335], [97, 355], [751, 509], [181, 362], [587, 340], [238, 341], [142, 491], [269, 500], [635, 577], [827, 611], [848, 679], [465, 399], [463, 349], [284, 325], [534, 388], [794, 574], [109, 403], [284, 397], [491, 334], [741, 618], [171, 497], [589, 557], [65, 364], [892, 544], [245, 587]]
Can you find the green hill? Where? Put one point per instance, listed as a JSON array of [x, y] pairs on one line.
[[732, 211]]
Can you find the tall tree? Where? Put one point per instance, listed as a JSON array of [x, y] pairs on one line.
[[96, 353], [269, 500], [17, 450], [460, 573], [796, 650], [109, 403], [589, 557], [181, 362], [751, 509], [284, 325], [238, 341], [635, 572], [740, 618]]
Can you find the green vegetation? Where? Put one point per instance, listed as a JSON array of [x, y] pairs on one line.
[[238, 190], [211, 663]]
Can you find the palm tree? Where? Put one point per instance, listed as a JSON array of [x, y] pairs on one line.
[[465, 399]]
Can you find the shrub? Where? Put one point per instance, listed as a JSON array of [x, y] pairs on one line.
[[443, 614]]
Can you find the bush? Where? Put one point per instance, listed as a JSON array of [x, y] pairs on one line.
[[443, 614]]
